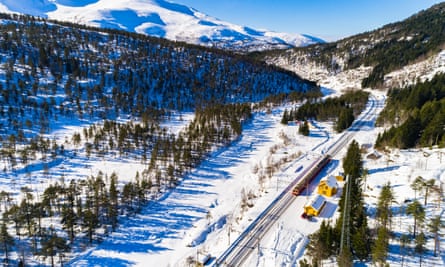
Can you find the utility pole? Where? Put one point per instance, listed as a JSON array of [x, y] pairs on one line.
[[345, 233]]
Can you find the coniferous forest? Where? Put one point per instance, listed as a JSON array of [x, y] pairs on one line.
[[417, 114], [342, 110], [121, 86], [118, 89]]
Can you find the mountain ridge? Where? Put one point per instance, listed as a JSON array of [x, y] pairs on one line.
[[372, 57], [159, 18]]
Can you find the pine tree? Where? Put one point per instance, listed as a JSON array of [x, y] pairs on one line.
[[404, 242], [417, 185], [69, 216], [420, 246], [52, 245], [352, 163], [380, 247], [435, 225], [418, 212], [322, 243], [285, 118], [113, 202], [360, 242], [345, 119], [384, 213], [6, 242], [353, 224], [426, 188], [91, 221], [304, 128], [345, 258]]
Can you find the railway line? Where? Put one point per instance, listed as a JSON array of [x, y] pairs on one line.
[[250, 238]]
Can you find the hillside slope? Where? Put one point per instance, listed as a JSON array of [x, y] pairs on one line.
[[83, 113], [159, 18], [371, 57]]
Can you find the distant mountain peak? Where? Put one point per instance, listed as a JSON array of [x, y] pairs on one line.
[[158, 18]]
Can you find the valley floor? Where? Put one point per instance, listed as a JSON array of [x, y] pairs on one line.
[[220, 198], [192, 222]]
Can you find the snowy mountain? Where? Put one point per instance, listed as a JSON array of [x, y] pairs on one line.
[[158, 18]]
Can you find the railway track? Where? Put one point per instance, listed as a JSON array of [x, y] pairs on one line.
[[250, 238]]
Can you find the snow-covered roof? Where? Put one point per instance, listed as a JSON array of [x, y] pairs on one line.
[[317, 202], [330, 181]]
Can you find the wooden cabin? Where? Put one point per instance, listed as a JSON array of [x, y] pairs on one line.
[[328, 186], [315, 206]]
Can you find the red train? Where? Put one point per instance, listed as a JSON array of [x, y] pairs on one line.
[[310, 175]]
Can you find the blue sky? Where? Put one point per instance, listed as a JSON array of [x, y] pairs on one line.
[[327, 19]]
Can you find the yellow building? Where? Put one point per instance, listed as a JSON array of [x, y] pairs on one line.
[[315, 206], [328, 186], [340, 178]]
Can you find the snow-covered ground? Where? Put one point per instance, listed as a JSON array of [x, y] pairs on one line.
[[205, 213], [194, 218]]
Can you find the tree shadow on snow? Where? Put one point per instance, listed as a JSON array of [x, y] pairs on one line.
[[386, 169]]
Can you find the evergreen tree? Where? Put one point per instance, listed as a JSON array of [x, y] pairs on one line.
[[427, 186], [384, 213], [113, 201], [345, 258], [380, 247], [322, 243], [352, 162], [404, 242], [420, 246], [417, 185], [345, 119], [69, 216], [90, 220], [285, 118], [418, 212], [435, 225], [360, 242], [304, 128], [6, 242], [52, 245], [352, 223]]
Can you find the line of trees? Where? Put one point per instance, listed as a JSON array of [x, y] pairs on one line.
[[342, 109]]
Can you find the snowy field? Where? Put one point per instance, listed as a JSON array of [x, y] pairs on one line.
[[205, 213]]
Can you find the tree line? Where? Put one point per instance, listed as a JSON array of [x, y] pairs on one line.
[[342, 109]]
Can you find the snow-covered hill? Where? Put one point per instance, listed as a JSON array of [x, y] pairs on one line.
[[394, 55], [158, 18]]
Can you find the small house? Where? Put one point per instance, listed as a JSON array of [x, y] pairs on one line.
[[315, 206], [340, 178], [328, 186]]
